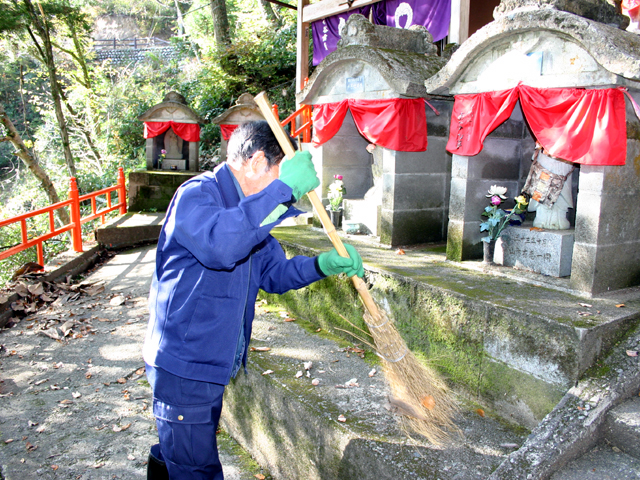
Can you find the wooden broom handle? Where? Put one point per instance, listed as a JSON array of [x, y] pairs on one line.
[[283, 139]]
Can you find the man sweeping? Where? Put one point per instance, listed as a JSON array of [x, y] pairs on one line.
[[214, 253]]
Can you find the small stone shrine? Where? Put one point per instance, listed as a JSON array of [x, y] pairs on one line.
[[173, 128], [245, 110], [370, 126], [563, 75]]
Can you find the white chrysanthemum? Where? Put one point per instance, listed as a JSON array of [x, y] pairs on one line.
[[497, 191]]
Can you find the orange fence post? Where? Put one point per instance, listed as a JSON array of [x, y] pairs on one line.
[[274, 108], [122, 192], [76, 231]]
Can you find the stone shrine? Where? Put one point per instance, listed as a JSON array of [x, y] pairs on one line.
[[551, 45], [373, 63], [172, 127], [245, 110]]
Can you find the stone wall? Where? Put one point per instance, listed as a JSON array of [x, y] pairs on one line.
[[123, 56], [415, 201]]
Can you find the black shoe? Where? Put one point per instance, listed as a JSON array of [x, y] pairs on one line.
[[156, 468]]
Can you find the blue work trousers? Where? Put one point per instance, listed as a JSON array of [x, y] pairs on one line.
[[187, 414]]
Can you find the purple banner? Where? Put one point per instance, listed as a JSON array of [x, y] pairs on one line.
[[434, 15], [326, 32]]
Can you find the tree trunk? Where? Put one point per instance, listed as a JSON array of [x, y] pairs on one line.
[[32, 164], [269, 14], [220, 23], [46, 53]]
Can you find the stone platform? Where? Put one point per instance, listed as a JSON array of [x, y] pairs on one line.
[[517, 340]]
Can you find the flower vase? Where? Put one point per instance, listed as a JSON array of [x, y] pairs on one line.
[[487, 252], [336, 218]]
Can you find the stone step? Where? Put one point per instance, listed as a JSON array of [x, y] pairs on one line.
[[601, 463], [622, 428], [293, 428]]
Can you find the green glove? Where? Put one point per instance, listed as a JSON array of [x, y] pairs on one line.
[[275, 215], [299, 174], [331, 263]]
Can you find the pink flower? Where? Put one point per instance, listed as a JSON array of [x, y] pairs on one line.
[[495, 200], [338, 177]]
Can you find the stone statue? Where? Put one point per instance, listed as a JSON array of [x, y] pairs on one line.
[[374, 194], [173, 145], [549, 185]]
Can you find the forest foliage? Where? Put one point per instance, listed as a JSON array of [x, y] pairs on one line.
[[100, 102]]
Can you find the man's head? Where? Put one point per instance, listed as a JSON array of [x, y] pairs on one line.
[[254, 155]]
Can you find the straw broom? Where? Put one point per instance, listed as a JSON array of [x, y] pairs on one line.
[[417, 390]]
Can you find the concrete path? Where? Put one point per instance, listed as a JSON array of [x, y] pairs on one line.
[[79, 407]]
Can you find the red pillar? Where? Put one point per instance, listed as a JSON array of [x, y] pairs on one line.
[[122, 192], [76, 231]]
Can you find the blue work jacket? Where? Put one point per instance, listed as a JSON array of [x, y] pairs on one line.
[[212, 258]]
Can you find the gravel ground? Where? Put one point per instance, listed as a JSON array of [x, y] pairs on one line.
[[79, 406]]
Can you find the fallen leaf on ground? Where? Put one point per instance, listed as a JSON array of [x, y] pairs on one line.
[[260, 349], [98, 465], [315, 382], [352, 383], [428, 402], [299, 374], [66, 401], [267, 372], [131, 457], [32, 424], [30, 447], [117, 301], [342, 418], [140, 371], [586, 305], [307, 365], [36, 289], [480, 412], [372, 372], [259, 476], [116, 428], [8, 440], [87, 376], [536, 229], [289, 319], [318, 330], [400, 251], [55, 467], [620, 305], [76, 394], [121, 380], [632, 353], [584, 314]]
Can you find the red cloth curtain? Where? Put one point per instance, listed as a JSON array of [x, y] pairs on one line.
[[227, 130], [189, 132], [581, 126], [395, 123]]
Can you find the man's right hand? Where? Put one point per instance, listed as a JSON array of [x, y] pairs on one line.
[[299, 174]]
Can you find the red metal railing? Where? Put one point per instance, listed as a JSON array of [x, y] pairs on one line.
[[305, 113], [73, 202]]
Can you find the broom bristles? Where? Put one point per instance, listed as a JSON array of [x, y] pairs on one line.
[[417, 389]]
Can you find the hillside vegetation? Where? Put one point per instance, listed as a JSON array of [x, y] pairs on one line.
[[78, 117]]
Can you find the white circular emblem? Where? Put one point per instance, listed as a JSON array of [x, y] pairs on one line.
[[404, 9]]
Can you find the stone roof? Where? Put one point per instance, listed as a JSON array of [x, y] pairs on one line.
[[404, 72], [245, 110], [173, 107], [615, 52], [393, 59]]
